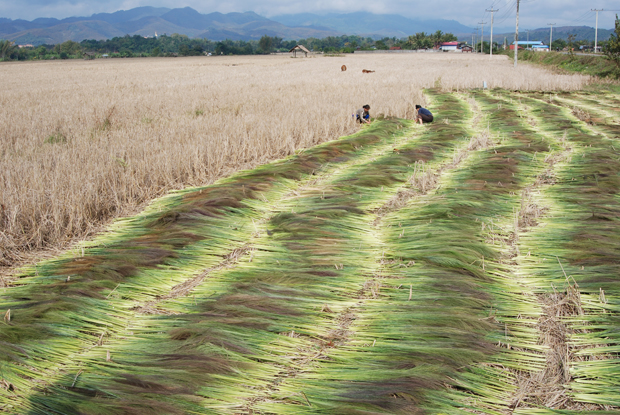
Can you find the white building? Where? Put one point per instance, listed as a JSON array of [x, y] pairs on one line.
[[450, 47]]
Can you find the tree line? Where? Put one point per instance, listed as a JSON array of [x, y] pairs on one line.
[[182, 45]]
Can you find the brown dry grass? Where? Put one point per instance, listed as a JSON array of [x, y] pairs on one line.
[[85, 141]]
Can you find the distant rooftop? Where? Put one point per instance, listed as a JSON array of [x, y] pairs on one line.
[[529, 43]]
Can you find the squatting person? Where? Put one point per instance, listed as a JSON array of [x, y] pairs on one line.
[[423, 115], [362, 115]]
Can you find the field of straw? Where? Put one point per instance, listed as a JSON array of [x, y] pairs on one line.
[[87, 141]]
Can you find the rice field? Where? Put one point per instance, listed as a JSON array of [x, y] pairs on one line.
[[84, 142], [465, 266]]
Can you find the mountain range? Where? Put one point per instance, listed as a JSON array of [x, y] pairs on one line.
[[373, 25], [148, 21]]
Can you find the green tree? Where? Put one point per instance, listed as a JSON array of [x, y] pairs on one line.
[[437, 38], [449, 37], [423, 41], [126, 53], [558, 44], [41, 51], [265, 44], [380, 44], [184, 50], [612, 48], [277, 42], [71, 48], [7, 48], [486, 47], [571, 46]]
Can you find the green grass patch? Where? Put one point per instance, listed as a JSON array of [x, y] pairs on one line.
[[587, 65]]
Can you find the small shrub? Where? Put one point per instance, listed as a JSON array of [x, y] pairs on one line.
[[106, 123], [121, 162], [57, 138]]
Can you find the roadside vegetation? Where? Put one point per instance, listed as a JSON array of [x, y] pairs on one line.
[[593, 65]]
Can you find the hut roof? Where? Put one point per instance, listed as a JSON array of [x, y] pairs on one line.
[[300, 47]]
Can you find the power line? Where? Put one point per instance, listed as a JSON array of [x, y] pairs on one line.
[[584, 17], [509, 10], [508, 13]]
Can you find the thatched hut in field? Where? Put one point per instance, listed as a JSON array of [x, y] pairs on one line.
[[301, 48]]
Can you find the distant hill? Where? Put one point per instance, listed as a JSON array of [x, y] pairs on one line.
[[77, 32], [132, 15], [148, 26], [147, 21], [368, 24]]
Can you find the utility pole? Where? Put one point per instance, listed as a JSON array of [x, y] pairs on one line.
[[482, 37], [528, 39], [596, 30], [517, 36], [550, 35], [492, 15], [476, 41]]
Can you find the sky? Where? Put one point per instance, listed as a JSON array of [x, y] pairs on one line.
[[533, 13]]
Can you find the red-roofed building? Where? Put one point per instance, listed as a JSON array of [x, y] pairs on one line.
[[449, 46], [395, 48]]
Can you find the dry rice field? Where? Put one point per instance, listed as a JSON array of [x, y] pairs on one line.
[[86, 141]]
